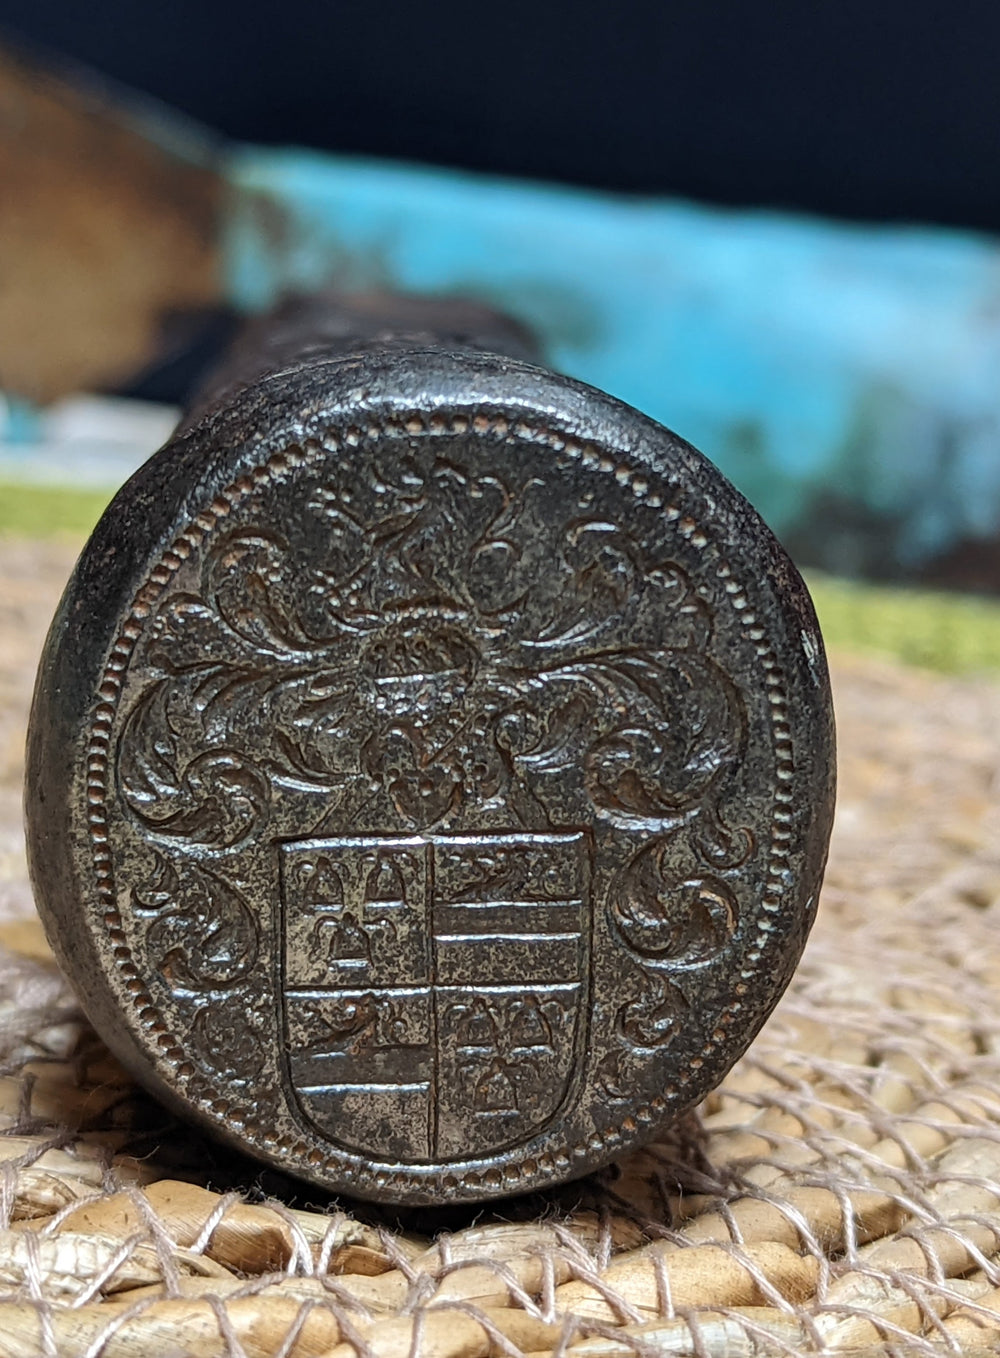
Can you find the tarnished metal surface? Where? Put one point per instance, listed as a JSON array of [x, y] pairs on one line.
[[431, 767]]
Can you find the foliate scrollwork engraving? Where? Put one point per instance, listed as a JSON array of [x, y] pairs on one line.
[[437, 644], [654, 1018], [212, 798], [231, 1039], [200, 933], [667, 921]]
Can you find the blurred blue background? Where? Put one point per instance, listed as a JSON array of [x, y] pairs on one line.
[[844, 377], [842, 371]]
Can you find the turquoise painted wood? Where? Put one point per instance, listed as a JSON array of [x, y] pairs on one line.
[[845, 377]]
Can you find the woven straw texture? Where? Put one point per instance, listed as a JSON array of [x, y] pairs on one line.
[[840, 1192]]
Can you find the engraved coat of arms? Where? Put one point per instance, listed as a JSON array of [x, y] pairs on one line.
[[433, 985], [480, 750]]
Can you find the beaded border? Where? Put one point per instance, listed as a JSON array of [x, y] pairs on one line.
[[516, 1175]]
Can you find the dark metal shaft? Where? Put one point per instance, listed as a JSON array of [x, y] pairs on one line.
[[309, 329]]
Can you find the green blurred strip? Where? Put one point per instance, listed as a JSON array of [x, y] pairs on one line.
[[951, 633], [47, 511]]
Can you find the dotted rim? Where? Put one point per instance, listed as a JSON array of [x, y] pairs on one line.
[[345, 1168]]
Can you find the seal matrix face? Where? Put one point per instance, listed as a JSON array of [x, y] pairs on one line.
[[451, 778]]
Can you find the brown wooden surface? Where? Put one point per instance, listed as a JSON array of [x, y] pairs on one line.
[[102, 233]]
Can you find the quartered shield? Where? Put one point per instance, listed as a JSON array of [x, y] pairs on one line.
[[434, 987]]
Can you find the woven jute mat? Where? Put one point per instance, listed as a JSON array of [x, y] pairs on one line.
[[840, 1192]]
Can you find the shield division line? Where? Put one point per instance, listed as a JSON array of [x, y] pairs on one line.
[[435, 987]]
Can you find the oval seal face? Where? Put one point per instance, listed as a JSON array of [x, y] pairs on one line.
[[450, 779]]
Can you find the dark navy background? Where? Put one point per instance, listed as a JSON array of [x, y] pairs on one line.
[[885, 109]]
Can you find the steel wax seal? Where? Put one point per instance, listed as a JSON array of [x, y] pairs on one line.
[[431, 765]]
